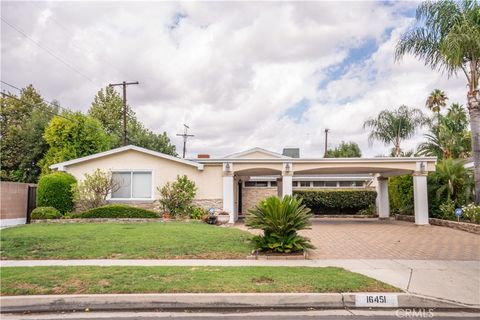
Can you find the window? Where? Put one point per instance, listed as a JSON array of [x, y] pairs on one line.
[[347, 183], [260, 184], [358, 183], [330, 183], [319, 184], [304, 183], [133, 185]]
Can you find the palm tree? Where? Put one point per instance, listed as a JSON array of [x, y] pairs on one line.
[[436, 101], [446, 36], [395, 126], [449, 138]]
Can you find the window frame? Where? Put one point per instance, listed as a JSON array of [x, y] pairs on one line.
[[132, 171]]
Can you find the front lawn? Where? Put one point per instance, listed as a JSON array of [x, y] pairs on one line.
[[151, 240], [96, 280]]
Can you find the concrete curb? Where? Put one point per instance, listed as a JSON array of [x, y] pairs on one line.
[[111, 302]]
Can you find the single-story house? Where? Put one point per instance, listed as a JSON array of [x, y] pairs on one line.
[[236, 182]]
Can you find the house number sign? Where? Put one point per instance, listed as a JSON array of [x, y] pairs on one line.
[[376, 300]]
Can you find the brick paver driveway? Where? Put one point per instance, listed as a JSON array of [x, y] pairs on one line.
[[374, 239]]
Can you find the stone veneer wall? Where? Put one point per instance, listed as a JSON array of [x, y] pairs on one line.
[[464, 226], [252, 196], [206, 204]]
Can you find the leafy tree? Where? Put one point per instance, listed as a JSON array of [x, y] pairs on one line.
[[73, 135], [395, 126], [436, 101], [449, 138], [345, 150], [23, 120], [446, 36], [107, 107]]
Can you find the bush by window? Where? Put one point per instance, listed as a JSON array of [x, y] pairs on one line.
[[177, 197], [55, 190], [118, 211], [93, 190]]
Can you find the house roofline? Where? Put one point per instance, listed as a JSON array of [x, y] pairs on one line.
[[61, 165], [256, 149]]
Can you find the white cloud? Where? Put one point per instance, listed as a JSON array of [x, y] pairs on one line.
[[228, 69]]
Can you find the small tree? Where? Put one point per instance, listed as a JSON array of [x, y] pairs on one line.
[[93, 190], [177, 197]]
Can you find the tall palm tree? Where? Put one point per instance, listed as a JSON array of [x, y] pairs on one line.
[[446, 36], [436, 101], [395, 126]]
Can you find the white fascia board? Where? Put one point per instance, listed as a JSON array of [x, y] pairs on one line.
[[319, 160], [62, 165]]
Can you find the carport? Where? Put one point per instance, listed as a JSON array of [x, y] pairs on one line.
[[259, 162]]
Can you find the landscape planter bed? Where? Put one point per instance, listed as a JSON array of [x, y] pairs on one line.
[[126, 220], [463, 226], [278, 256], [347, 216]]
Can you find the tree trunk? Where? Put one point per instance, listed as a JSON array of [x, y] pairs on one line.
[[473, 100]]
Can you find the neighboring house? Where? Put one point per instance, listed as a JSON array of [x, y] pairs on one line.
[[237, 182]]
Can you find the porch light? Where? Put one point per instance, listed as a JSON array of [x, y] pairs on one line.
[[287, 167], [227, 166], [422, 167]]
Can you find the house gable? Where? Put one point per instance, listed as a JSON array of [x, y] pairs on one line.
[[256, 153]]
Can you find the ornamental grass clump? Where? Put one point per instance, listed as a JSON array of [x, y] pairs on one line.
[[280, 220]]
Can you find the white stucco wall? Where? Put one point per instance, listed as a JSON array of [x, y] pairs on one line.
[[208, 181]]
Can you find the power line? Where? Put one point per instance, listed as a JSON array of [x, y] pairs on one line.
[[47, 50]]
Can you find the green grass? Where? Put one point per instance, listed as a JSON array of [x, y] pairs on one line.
[[151, 240], [96, 280]]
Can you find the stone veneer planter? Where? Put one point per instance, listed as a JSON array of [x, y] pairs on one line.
[[122, 220], [463, 226], [278, 256], [346, 216]]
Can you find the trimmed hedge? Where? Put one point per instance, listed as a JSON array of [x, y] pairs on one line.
[[46, 213], [400, 191], [55, 190], [118, 211], [336, 201]]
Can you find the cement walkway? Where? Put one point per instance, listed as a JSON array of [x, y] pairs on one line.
[[452, 280]]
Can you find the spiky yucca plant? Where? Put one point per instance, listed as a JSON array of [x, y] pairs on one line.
[[280, 219]]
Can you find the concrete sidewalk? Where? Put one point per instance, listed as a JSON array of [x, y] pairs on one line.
[[457, 281]]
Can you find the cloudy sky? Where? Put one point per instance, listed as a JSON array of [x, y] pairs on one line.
[[240, 74]]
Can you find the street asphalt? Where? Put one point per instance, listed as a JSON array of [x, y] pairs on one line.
[[266, 315]]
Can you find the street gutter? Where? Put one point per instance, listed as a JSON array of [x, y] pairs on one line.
[[209, 301]]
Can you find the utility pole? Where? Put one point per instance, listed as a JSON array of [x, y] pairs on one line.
[[124, 84], [185, 136], [326, 142]]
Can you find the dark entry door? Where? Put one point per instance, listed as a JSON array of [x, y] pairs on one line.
[[31, 201], [239, 197]]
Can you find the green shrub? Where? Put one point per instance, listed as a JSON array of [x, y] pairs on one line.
[[55, 190], [46, 213], [400, 191], [93, 190], [177, 197], [337, 201], [447, 210], [472, 212], [198, 213], [280, 219], [118, 211]]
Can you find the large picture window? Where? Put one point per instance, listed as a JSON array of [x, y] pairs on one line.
[[132, 185]]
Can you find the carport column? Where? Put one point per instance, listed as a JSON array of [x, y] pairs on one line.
[[287, 179], [228, 198], [420, 196], [383, 203]]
